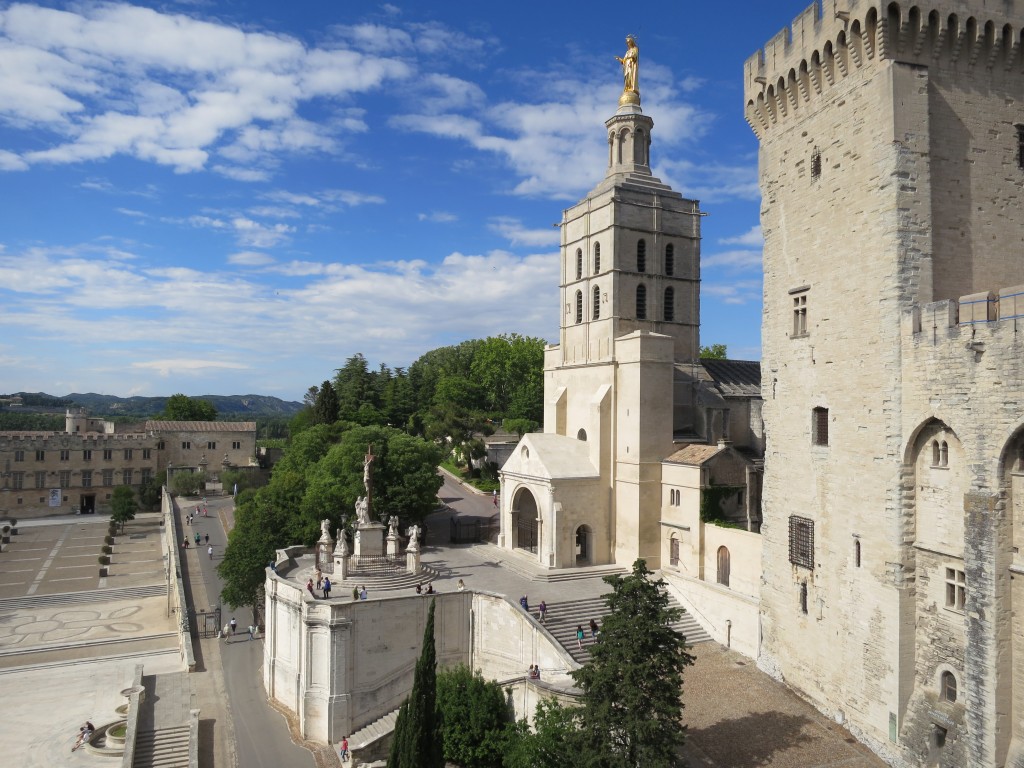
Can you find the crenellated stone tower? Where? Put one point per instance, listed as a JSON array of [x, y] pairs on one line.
[[892, 175]]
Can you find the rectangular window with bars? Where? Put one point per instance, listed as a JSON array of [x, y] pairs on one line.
[[86, 478], [65, 478], [41, 479], [800, 315], [801, 542], [65, 455], [108, 477], [87, 455], [127, 476]]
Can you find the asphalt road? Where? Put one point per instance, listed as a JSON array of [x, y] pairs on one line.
[[261, 733]]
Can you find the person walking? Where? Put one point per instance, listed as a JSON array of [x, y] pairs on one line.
[[234, 625], [344, 750], [579, 636], [206, 538], [362, 593], [209, 551], [252, 631], [319, 579], [594, 631], [542, 609], [198, 538], [327, 587], [309, 588], [184, 544], [494, 497], [524, 603]]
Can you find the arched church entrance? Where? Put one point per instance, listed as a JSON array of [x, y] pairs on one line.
[[524, 521], [584, 545]]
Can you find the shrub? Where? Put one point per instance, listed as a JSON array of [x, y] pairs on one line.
[[104, 559], [108, 539], [106, 549]]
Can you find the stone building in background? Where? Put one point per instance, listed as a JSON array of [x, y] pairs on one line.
[[892, 174], [48, 473]]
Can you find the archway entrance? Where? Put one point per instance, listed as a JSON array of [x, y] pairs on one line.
[[584, 545], [524, 521]]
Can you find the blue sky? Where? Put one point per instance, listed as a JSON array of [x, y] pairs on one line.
[[234, 197]]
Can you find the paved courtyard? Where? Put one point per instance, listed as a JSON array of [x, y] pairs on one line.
[[70, 639]]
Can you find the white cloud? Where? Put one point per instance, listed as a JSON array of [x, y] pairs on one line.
[[187, 365], [439, 217], [250, 259], [47, 291], [517, 234], [105, 79], [753, 237], [736, 292], [733, 260], [257, 235]]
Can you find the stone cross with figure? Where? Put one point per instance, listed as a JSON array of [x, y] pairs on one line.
[[368, 476]]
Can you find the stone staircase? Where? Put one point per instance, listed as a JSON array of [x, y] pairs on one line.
[[76, 598], [166, 748], [377, 582], [564, 617], [163, 733], [368, 741]]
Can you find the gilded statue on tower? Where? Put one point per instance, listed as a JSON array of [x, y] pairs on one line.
[[630, 62]]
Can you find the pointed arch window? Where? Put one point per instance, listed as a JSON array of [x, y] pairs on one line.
[[597, 303], [641, 255], [670, 305], [579, 263], [723, 566], [641, 302], [670, 259], [579, 306], [597, 258]]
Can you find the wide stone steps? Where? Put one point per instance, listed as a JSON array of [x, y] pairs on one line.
[[74, 598], [373, 732], [164, 748], [383, 583], [564, 617], [529, 570]]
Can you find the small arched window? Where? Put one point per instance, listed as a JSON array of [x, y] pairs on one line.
[[670, 259], [641, 255], [579, 263], [943, 454], [948, 687], [803, 597], [597, 303], [673, 550], [856, 553], [597, 258], [670, 305], [641, 302], [935, 453], [579, 306], [582, 435]]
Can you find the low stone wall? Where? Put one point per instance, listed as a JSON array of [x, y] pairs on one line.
[[341, 665], [137, 691], [730, 617], [175, 583]]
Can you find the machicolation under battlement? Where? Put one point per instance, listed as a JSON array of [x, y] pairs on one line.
[[834, 38]]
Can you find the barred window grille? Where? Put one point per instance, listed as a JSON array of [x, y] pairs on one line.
[[641, 256], [801, 542]]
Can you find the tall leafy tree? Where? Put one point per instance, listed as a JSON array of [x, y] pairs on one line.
[[181, 407], [476, 719], [417, 738], [123, 505], [355, 387], [325, 407], [260, 529], [510, 370], [633, 685]]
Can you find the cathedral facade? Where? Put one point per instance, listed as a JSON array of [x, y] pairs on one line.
[[634, 422]]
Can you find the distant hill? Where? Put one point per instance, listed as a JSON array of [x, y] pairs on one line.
[[228, 406]]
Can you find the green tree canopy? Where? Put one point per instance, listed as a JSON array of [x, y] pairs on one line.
[[123, 505], [416, 742], [713, 352], [633, 684], [184, 408], [325, 407], [476, 720], [258, 532]]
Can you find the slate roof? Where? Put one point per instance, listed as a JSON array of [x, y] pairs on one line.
[[735, 378]]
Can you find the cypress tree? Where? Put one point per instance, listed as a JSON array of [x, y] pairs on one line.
[[417, 739]]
